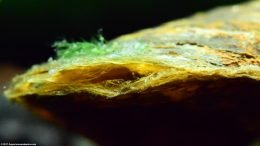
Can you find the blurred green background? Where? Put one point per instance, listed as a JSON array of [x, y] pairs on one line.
[[28, 28]]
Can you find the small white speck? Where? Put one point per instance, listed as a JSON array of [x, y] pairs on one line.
[[50, 59], [4, 87], [51, 71]]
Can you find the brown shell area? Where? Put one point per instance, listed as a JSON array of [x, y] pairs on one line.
[[231, 33]]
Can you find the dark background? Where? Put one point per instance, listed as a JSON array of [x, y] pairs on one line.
[[28, 28]]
